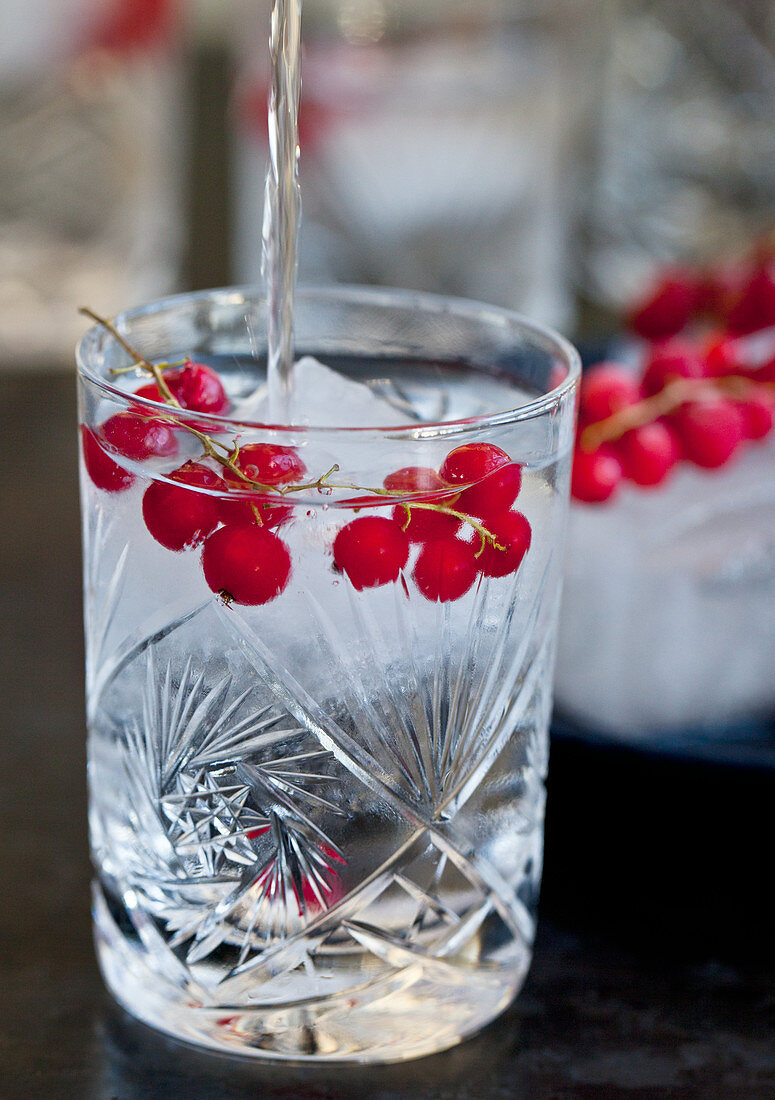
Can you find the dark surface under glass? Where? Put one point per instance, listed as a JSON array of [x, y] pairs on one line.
[[654, 971]]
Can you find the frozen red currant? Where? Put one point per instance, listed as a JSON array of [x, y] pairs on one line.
[[495, 479], [605, 390], [512, 535], [194, 385], [268, 464], [649, 453], [250, 564], [139, 437], [596, 474], [178, 516], [423, 485], [668, 361], [371, 550], [103, 471], [445, 569], [710, 431]]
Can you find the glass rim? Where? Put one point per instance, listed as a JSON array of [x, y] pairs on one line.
[[421, 301]]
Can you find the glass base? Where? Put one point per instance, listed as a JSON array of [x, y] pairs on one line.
[[412, 1011]]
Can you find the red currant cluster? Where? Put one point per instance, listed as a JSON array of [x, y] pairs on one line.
[[738, 295], [694, 402], [233, 513], [373, 550]]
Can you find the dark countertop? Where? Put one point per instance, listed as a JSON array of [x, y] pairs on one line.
[[654, 974]]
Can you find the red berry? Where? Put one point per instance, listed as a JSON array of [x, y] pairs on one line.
[[139, 437], [710, 431], [755, 305], [763, 373], [512, 532], [251, 507], [596, 475], [667, 308], [605, 390], [371, 550], [104, 472], [423, 524], [178, 517], [723, 357], [251, 564], [649, 453], [194, 385], [719, 288], [757, 414], [495, 479], [424, 485], [150, 391], [445, 569], [674, 359], [414, 479], [269, 464]]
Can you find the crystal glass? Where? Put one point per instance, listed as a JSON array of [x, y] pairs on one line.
[[316, 809]]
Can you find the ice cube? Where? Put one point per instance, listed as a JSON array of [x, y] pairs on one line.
[[668, 609], [324, 398]]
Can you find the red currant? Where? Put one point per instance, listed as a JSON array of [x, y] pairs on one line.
[[423, 524], [269, 464], [512, 532], [596, 474], [720, 287], [371, 550], [757, 414], [710, 431], [755, 306], [414, 479], [139, 437], [194, 385], [496, 479], [104, 472], [723, 357], [605, 390], [763, 373], [177, 517], [249, 563], [667, 308], [674, 359], [445, 569], [649, 453]]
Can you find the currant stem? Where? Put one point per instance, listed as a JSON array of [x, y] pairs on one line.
[[141, 361], [484, 534], [672, 396], [138, 366]]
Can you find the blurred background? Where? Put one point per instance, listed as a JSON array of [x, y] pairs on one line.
[[546, 155]]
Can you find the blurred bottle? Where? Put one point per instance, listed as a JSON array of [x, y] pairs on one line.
[[444, 146]]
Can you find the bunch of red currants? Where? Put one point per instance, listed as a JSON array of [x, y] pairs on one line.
[[697, 399], [460, 518]]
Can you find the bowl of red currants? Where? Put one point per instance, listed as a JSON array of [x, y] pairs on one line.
[[668, 627]]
